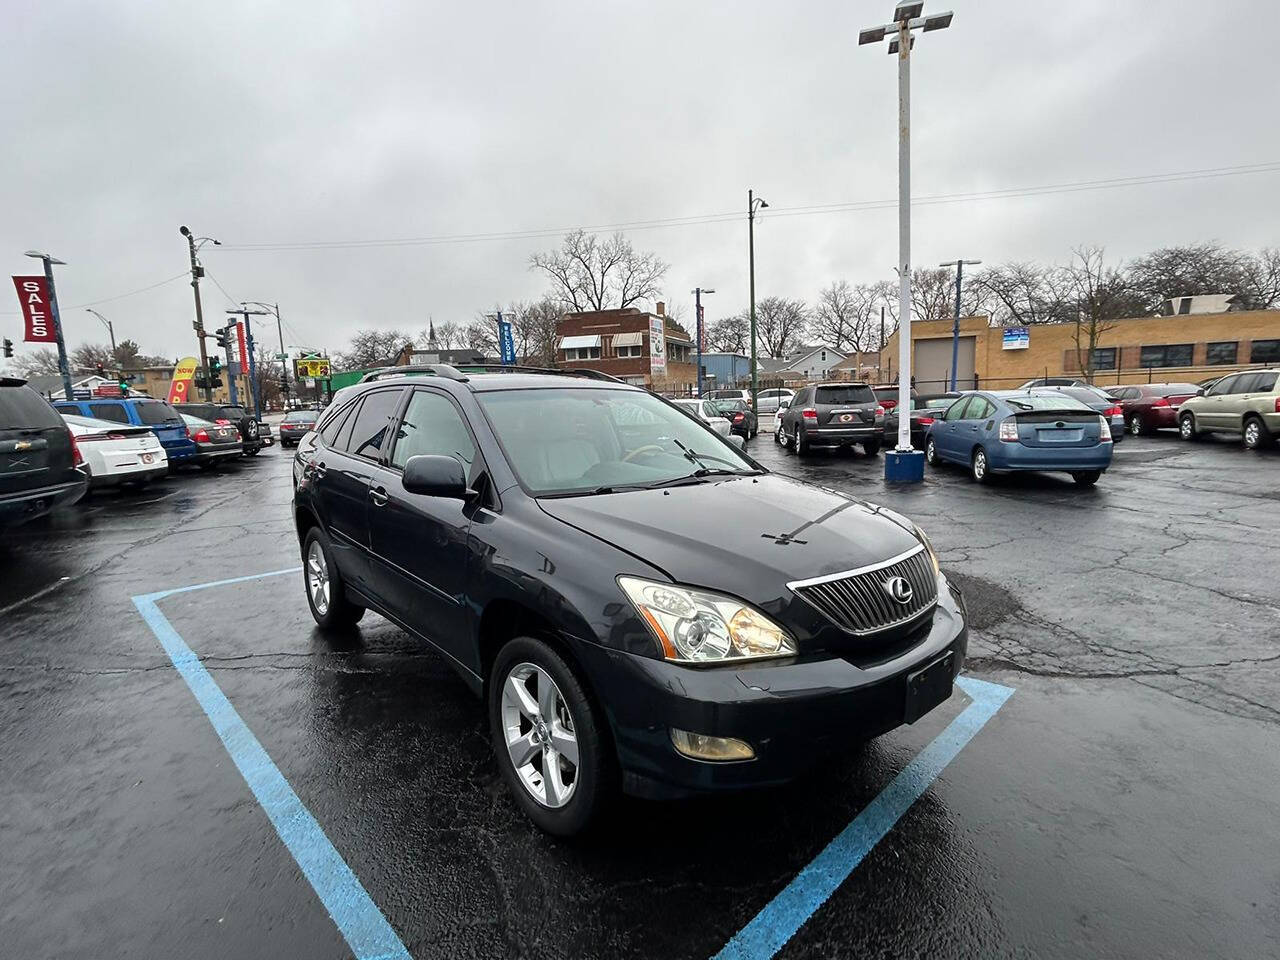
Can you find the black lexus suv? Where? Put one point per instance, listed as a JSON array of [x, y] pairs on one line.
[[641, 605]]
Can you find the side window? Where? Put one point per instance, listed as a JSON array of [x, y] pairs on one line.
[[371, 424], [115, 412], [329, 434], [1266, 383], [981, 409], [1224, 386], [67, 408], [709, 411], [1246, 383], [432, 425], [957, 410]]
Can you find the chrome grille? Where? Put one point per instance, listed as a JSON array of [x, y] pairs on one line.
[[858, 601]]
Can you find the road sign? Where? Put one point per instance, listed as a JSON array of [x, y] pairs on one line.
[[315, 368]]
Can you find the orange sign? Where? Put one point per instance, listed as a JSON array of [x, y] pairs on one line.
[[183, 374]]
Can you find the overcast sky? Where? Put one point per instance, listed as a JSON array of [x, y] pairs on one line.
[[301, 122]]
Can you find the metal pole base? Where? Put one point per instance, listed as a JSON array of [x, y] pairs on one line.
[[903, 466]]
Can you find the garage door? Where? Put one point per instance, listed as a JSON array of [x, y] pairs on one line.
[[933, 365]]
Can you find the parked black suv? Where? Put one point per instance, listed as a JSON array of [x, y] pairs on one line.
[[226, 414], [641, 605], [832, 415], [38, 457]]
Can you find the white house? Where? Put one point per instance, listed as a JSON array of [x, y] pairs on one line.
[[813, 362]]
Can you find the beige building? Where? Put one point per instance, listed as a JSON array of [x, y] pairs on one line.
[[1188, 347], [155, 382]]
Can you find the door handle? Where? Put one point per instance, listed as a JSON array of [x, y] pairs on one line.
[[378, 495]]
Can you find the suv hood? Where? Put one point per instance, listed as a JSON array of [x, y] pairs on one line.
[[746, 536]]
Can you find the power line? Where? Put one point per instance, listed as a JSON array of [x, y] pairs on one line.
[[118, 296], [1109, 183], [234, 302]]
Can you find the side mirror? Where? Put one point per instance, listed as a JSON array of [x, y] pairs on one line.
[[738, 440], [1200, 392], [435, 476]]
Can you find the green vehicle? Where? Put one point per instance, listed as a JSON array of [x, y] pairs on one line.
[[1246, 405]]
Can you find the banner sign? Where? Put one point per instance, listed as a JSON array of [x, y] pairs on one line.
[[183, 374], [507, 342], [244, 351], [702, 331], [313, 368], [657, 347], [1016, 338], [33, 294]]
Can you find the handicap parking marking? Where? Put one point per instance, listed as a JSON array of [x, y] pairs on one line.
[[786, 913], [358, 918]]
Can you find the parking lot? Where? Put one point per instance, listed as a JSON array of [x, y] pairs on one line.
[[1120, 802]]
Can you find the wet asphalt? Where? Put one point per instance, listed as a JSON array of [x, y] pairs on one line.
[[1122, 803]]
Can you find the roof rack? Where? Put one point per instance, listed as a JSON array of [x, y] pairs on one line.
[[548, 371], [417, 369], [459, 372]]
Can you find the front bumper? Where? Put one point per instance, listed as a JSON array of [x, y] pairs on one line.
[[792, 712]]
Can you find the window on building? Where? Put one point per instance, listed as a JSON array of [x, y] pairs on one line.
[[1224, 352], [1104, 358], [1166, 355], [582, 353], [629, 351], [1265, 351]]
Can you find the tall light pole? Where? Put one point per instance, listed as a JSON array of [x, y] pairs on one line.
[[194, 243], [955, 326], [110, 329], [904, 464], [284, 357], [754, 203], [697, 306], [63, 367]]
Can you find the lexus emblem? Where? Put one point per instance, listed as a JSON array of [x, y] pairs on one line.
[[898, 588]]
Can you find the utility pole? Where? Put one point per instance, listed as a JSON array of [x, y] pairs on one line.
[[63, 367], [245, 312], [697, 303], [197, 271], [224, 335], [110, 329], [904, 464], [880, 353], [955, 326], [753, 203], [284, 357]]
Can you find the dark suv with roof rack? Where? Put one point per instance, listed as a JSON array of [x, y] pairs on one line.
[[642, 606], [38, 456]]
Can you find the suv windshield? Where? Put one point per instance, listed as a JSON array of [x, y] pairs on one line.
[[841, 394], [576, 440], [152, 412]]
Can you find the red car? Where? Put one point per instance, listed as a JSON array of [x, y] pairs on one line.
[[1149, 407]]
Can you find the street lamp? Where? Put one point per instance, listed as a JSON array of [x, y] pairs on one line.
[[697, 303], [194, 243], [955, 327], [63, 368], [110, 329], [754, 203], [904, 464], [284, 357]]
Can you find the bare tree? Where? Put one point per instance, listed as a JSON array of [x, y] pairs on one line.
[[369, 348], [1186, 271], [1103, 295], [588, 273], [41, 362], [1021, 293], [89, 356], [482, 335], [780, 325], [449, 335], [535, 330], [1260, 289], [848, 318], [730, 334]]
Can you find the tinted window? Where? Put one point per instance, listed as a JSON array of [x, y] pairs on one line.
[[372, 423], [1128, 393], [1041, 401], [849, 394], [115, 412], [729, 406], [432, 425], [1266, 383], [1166, 355], [1175, 389], [1081, 393], [957, 410], [1246, 383], [23, 407], [1104, 358], [1265, 351], [153, 412], [234, 413], [300, 416], [979, 409], [1223, 386], [329, 433], [1224, 352]]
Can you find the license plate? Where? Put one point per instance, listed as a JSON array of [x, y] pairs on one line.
[[928, 687], [846, 417], [146, 458]]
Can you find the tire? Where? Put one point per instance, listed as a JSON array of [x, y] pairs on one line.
[[780, 436], [1086, 478], [871, 447], [979, 466], [1136, 426], [1187, 427], [931, 453], [802, 445], [328, 601], [1255, 433], [514, 724], [253, 452]]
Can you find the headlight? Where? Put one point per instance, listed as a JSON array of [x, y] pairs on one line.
[[920, 535], [703, 627]]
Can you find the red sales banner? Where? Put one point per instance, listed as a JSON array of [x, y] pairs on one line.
[[33, 294], [244, 351]]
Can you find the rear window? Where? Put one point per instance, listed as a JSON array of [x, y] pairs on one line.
[[234, 413], [115, 412], [849, 394], [300, 416], [1032, 401], [1174, 389], [154, 412], [23, 407]]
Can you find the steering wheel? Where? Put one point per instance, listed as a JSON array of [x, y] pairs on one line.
[[647, 448]]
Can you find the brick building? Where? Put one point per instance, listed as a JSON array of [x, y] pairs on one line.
[[617, 342]]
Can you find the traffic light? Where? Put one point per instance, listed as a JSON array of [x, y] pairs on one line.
[[8, 347], [221, 337], [215, 366], [102, 371]]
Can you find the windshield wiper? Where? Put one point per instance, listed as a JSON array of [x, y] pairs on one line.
[[694, 457]]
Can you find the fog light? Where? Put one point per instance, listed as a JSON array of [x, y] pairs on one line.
[[702, 747]]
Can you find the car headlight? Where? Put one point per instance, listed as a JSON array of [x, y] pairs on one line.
[[703, 627], [921, 536]]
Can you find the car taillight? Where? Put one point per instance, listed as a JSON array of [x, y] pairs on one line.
[[1160, 402], [888, 404], [809, 413], [737, 417], [1113, 412], [1277, 404], [77, 457], [187, 431], [1009, 430], [880, 411], [924, 421], [202, 436], [222, 422], [1105, 436]]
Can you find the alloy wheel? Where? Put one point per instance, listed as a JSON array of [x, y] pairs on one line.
[[318, 578], [1135, 425], [979, 465], [1186, 428], [539, 732], [1252, 434]]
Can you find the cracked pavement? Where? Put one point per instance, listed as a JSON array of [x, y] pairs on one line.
[[1122, 802]]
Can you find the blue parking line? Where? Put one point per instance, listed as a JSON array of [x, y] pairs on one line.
[[786, 913], [361, 923]]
